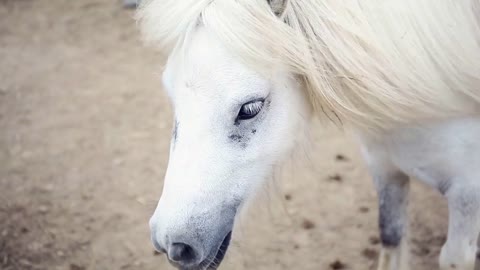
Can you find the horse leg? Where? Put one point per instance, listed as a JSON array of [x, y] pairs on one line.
[[459, 251], [393, 189]]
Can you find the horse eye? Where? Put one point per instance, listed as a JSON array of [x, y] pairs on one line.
[[250, 109]]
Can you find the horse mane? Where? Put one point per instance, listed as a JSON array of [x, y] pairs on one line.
[[373, 63]]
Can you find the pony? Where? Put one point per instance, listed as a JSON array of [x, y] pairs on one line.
[[246, 78]]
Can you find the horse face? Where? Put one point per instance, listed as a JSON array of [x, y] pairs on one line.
[[231, 126]]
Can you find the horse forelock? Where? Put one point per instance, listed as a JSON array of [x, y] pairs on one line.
[[375, 64]]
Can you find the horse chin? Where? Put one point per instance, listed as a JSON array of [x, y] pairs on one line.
[[214, 261]]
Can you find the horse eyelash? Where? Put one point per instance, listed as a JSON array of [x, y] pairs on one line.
[[253, 108]]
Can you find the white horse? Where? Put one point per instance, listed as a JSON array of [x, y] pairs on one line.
[[246, 76]]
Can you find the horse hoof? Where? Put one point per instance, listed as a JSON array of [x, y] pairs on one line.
[[131, 3]]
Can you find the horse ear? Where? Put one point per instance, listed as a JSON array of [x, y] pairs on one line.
[[278, 6]]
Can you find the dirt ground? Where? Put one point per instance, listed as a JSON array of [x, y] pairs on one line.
[[84, 133]]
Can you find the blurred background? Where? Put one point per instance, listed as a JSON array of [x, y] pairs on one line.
[[84, 139]]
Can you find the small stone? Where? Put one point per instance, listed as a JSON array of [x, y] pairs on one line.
[[374, 240], [288, 197], [117, 161], [335, 177], [337, 265], [422, 251], [25, 262], [370, 254], [74, 266], [43, 209], [141, 200], [47, 188], [363, 209], [308, 224], [35, 246]]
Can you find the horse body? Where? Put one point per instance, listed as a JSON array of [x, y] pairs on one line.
[[246, 76], [444, 155]]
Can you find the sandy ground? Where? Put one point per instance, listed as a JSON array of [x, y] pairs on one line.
[[84, 133]]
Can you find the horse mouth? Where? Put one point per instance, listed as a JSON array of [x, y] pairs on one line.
[[216, 260]]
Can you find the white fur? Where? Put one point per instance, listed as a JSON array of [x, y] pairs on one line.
[[403, 75], [373, 63], [211, 168], [446, 156]]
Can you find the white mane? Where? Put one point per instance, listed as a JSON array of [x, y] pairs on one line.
[[374, 63]]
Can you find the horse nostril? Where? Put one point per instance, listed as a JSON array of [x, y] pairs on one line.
[[181, 253]]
